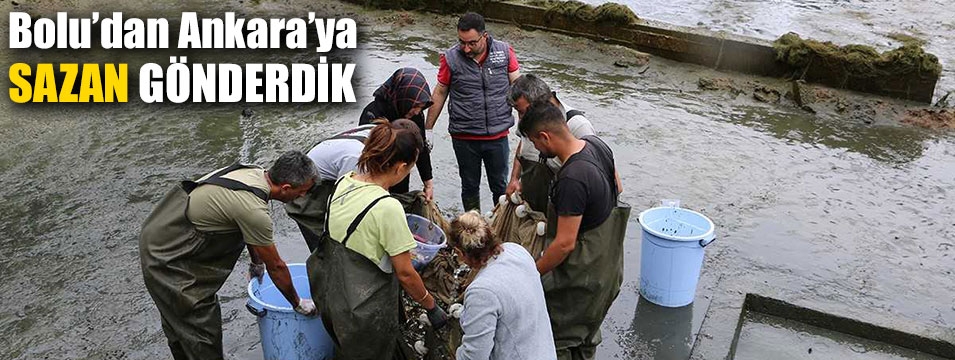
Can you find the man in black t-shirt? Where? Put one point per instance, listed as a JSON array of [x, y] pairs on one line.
[[589, 235]]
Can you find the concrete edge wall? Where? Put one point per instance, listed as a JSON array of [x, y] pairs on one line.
[[721, 51], [929, 341]]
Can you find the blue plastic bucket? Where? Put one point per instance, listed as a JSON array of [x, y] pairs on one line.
[[286, 334], [671, 254], [429, 238]]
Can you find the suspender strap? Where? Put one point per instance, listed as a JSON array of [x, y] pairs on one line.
[[328, 203], [354, 224], [217, 179], [611, 178], [360, 217], [349, 134], [357, 129], [573, 113], [237, 186], [227, 170], [350, 137]]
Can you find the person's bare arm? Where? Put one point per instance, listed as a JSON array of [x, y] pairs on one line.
[[411, 281], [515, 183], [277, 269], [253, 256], [564, 243], [439, 96], [619, 183]]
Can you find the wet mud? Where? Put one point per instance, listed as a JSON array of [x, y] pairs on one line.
[[931, 118], [850, 216]]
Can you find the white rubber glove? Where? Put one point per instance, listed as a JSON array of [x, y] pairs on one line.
[[306, 307], [429, 138]]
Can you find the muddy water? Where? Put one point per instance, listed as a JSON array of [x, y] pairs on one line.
[[842, 22], [849, 215]]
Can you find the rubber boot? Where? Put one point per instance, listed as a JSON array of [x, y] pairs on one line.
[[471, 203]]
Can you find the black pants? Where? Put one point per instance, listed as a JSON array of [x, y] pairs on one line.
[[470, 154]]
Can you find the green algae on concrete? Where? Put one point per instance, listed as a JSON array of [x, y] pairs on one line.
[[857, 61], [607, 13]]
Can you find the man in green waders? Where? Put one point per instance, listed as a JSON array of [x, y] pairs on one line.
[[532, 174], [194, 236], [582, 265]]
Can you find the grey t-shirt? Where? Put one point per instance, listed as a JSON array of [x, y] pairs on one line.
[[336, 157], [505, 316], [579, 125]]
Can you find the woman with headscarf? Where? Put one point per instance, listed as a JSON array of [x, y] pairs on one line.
[[405, 95]]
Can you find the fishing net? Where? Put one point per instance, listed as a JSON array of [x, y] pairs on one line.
[[518, 223], [445, 277]]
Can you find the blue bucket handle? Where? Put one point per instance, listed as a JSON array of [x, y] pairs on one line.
[[260, 312], [705, 242]]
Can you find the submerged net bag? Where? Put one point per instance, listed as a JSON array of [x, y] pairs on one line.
[[514, 221], [445, 277]]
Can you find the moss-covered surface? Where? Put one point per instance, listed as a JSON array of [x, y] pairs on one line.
[[607, 13], [857, 61]]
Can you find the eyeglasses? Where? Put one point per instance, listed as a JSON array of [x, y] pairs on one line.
[[471, 43]]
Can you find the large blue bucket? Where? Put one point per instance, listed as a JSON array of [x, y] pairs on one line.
[[286, 334], [671, 254]]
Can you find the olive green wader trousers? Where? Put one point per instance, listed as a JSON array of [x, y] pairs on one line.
[[359, 303], [581, 289], [183, 268]]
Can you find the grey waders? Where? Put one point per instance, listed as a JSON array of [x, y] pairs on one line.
[[581, 289], [358, 302], [183, 268]]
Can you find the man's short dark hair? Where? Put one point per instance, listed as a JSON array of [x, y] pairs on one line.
[[529, 87], [293, 168], [471, 21], [541, 116]]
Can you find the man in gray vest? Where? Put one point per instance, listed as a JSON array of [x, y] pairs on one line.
[[477, 73]]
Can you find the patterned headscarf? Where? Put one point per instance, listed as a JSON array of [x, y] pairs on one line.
[[405, 88]]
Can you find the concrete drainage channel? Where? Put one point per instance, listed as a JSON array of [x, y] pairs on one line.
[[771, 328]]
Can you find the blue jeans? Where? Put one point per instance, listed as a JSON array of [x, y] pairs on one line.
[[470, 154]]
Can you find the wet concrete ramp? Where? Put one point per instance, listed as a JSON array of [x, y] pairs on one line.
[[773, 329]]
